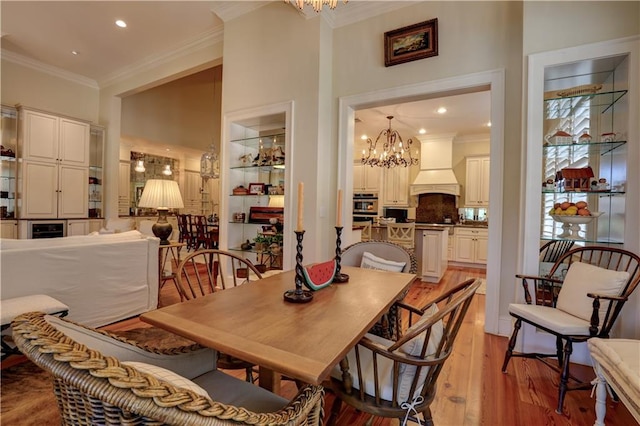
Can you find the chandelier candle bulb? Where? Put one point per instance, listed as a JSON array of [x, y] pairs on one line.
[[300, 226], [339, 209]]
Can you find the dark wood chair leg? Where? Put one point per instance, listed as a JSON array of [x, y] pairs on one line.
[[512, 344], [564, 376], [428, 419], [559, 350]]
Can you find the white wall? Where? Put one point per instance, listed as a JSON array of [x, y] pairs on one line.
[[21, 84]]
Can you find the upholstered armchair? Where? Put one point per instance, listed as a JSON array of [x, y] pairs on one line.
[[100, 379]]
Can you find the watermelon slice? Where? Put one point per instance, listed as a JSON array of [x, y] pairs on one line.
[[320, 275]]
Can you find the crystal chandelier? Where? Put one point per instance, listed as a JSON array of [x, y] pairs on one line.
[[393, 153], [316, 4], [210, 164]]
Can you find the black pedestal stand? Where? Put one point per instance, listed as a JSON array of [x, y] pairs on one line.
[[298, 295], [339, 277]]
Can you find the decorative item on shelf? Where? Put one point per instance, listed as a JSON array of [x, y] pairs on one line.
[[585, 137], [210, 164], [161, 195], [576, 179], [256, 188], [610, 137], [559, 137], [240, 190], [6, 152], [393, 152], [238, 217], [298, 295], [571, 224], [549, 184], [246, 159], [603, 185], [585, 89], [246, 245]]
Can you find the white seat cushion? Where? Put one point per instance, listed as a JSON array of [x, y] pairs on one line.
[[189, 365], [583, 278], [11, 308], [551, 318]]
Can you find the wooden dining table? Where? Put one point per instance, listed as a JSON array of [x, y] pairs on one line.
[[303, 341]]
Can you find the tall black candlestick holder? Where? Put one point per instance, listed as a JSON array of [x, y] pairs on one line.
[[339, 277], [298, 295]]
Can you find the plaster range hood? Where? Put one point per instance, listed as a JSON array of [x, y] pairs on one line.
[[436, 170]]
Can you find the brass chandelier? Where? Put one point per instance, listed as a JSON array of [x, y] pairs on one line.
[[393, 152], [316, 4]]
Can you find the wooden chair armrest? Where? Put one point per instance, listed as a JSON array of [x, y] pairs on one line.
[[595, 315], [397, 355], [539, 281], [604, 296]]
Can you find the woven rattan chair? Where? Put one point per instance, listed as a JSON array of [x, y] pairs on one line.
[[580, 298], [92, 388], [398, 379], [390, 323]]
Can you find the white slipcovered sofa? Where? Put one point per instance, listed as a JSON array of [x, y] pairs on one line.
[[101, 278]]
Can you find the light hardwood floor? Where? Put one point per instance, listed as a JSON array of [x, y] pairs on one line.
[[471, 389]]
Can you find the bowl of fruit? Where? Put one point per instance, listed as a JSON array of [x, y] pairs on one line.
[[572, 215]]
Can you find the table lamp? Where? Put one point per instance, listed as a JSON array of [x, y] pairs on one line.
[[161, 195]]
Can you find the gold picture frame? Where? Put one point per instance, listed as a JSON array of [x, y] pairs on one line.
[[410, 43]]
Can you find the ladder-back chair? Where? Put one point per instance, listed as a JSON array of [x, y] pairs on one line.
[[402, 233]]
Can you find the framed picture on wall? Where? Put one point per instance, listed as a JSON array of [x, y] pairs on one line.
[[410, 43], [256, 188]]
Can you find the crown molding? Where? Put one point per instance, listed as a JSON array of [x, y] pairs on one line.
[[228, 10], [200, 42], [359, 10], [47, 69]]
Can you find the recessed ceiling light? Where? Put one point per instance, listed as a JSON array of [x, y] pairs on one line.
[[488, 124], [75, 52], [442, 110], [363, 137], [422, 131], [121, 23]]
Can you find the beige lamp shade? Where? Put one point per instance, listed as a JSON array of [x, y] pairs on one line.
[[163, 194]]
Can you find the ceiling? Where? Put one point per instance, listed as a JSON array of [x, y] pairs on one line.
[[43, 34]]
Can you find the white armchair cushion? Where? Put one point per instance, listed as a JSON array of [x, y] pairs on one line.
[[370, 261], [167, 376], [583, 278], [385, 365]]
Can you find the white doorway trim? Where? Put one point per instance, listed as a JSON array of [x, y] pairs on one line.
[[490, 80]]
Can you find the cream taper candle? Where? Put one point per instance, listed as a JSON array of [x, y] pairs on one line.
[[300, 226], [339, 209]]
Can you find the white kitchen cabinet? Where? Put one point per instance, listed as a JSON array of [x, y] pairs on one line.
[[434, 254], [124, 188], [477, 187], [395, 190], [9, 229], [77, 227], [54, 166], [47, 137], [366, 178], [451, 247], [53, 191], [191, 193], [470, 245]]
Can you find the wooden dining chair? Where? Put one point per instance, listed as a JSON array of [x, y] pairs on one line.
[[206, 271], [185, 228], [580, 298], [552, 250], [398, 379], [203, 236], [403, 234]]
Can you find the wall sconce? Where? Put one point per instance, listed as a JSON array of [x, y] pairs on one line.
[[167, 170]]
